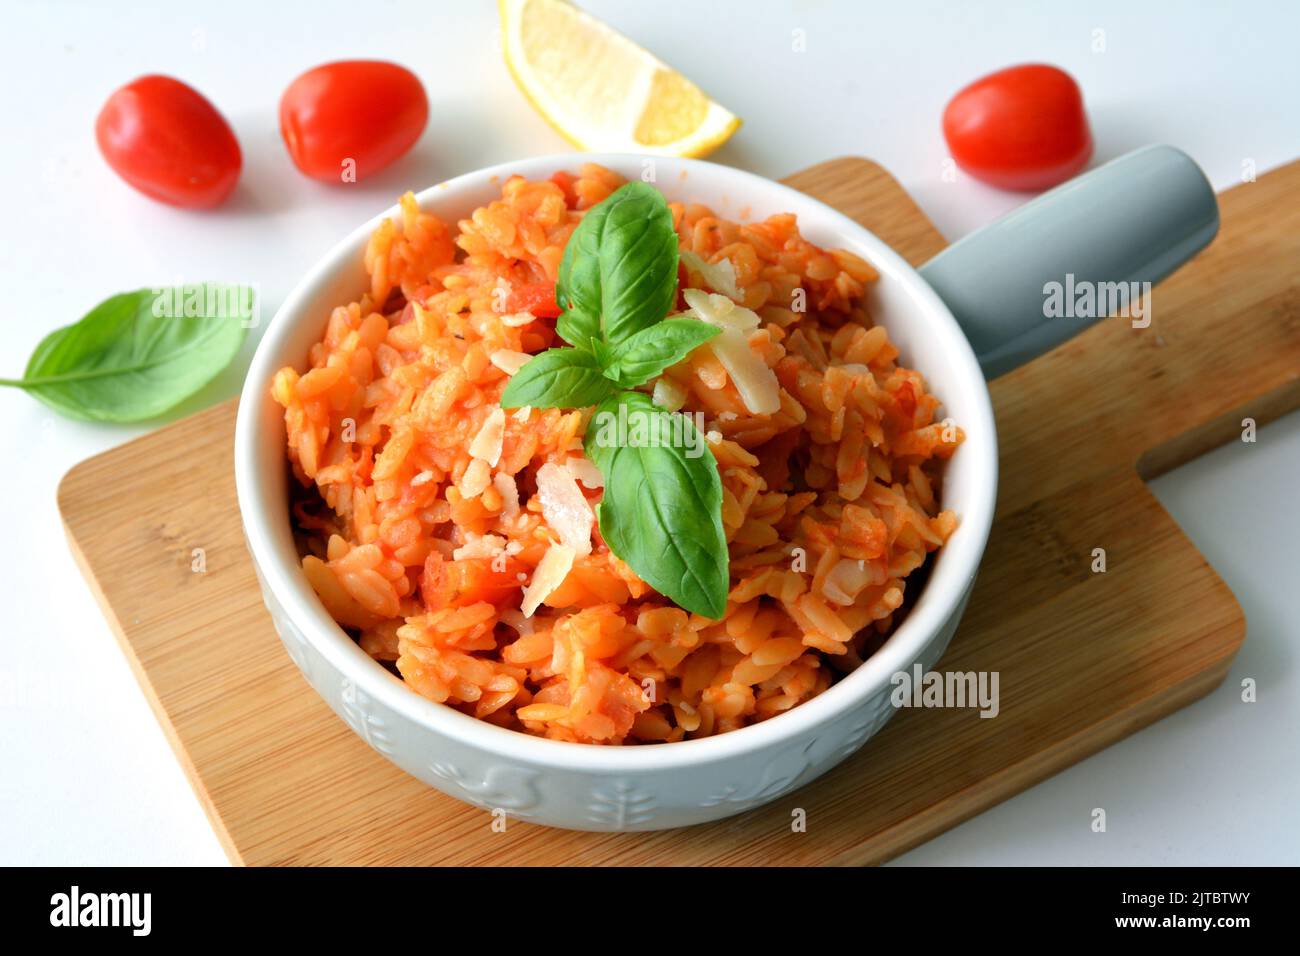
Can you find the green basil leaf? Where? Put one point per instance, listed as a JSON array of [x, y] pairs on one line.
[[557, 378], [604, 355], [620, 265], [578, 329], [138, 354], [643, 356], [662, 508]]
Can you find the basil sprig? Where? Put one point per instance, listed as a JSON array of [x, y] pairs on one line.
[[662, 508]]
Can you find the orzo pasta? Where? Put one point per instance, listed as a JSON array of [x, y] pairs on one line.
[[455, 539]]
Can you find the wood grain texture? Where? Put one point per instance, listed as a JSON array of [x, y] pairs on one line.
[[1084, 658]]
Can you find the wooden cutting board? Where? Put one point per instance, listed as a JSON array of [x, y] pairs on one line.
[[1085, 658]]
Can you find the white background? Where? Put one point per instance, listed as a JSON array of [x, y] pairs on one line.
[[87, 776]]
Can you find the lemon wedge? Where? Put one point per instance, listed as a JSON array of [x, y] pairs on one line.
[[600, 90]]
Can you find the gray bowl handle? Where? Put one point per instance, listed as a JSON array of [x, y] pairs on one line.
[[1134, 220]]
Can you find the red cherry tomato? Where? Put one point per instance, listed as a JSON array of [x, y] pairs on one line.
[[352, 116], [1020, 128], [165, 139], [535, 297]]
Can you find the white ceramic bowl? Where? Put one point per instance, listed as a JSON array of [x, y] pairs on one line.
[[618, 788]]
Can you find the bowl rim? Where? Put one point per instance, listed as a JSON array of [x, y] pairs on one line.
[[949, 581]]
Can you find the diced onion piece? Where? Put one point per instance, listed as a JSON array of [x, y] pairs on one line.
[[509, 492], [565, 508], [422, 478], [720, 311], [755, 382], [719, 276], [487, 443], [548, 575], [845, 581], [480, 546], [523, 414], [669, 395], [508, 360], [476, 478], [512, 618], [516, 319], [581, 468]]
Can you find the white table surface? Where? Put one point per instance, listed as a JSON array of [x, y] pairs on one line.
[[89, 778]]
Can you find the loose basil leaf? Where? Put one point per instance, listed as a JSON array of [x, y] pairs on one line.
[[557, 378], [620, 265], [646, 354], [137, 354], [662, 508]]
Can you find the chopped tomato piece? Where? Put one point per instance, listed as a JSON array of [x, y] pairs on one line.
[[906, 399], [468, 581], [565, 181], [535, 297]]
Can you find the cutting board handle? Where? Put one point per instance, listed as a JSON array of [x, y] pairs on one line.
[[1088, 249]]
